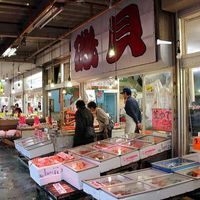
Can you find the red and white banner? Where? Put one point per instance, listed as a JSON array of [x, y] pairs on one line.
[[122, 37]]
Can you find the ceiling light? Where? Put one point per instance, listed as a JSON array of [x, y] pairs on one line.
[[27, 4], [64, 91], [3, 79], [111, 52], [47, 17], [49, 94], [13, 90], [7, 77], [52, 85], [69, 82], [116, 80], [10, 52], [163, 42]]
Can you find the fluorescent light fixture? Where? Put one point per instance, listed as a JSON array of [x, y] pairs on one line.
[[163, 42], [10, 52], [47, 17], [52, 17]]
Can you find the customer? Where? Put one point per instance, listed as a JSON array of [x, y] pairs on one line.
[[102, 119], [17, 110], [84, 130], [133, 114]]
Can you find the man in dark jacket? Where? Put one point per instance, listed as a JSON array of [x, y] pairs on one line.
[[132, 111], [84, 131]]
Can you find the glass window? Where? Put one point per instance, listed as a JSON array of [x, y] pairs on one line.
[[192, 32], [194, 101]]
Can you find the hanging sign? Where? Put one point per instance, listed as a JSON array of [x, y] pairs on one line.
[[162, 119], [122, 37]]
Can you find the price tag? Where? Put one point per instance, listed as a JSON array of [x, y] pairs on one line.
[[59, 188]]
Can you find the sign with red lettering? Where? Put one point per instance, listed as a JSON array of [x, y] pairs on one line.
[[162, 119], [120, 38], [125, 30], [86, 55]]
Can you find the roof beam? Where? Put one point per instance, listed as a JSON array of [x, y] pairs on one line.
[[28, 27]]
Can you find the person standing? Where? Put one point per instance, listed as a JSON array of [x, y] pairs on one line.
[[133, 114], [102, 119], [84, 130]]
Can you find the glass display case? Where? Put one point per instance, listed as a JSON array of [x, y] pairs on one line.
[[128, 189], [167, 180], [138, 144], [144, 174]]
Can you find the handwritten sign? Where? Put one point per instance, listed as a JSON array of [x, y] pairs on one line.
[[162, 119]]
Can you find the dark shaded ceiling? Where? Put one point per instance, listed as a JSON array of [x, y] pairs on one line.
[[19, 17]]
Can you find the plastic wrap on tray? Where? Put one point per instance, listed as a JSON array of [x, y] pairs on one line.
[[138, 144], [173, 164], [59, 189], [100, 145], [81, 150], [128, 189], [119, 150], [117, 140], [153, 139], [51, 160], [107, 181], [144, 174], [80, 165], [167, 180], [99, 156], [192, 172], [194, 157]]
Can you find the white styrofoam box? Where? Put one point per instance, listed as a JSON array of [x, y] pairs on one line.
[[127, 155], [129, 158], [37, 151], [194, 157], [150, 194], [95, 193], [45, 175], [93, 186], [176, 190], [164, 146], [110, 162], [75, 178], [148, 151]]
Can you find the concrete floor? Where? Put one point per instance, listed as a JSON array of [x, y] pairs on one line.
[[15, 182]]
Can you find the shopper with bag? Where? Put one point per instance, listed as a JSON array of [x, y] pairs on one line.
[[84, 130], [105, 123]]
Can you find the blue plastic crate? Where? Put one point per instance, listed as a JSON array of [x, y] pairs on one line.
[[174, 164]]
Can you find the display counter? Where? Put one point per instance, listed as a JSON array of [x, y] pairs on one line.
[[8, 124]]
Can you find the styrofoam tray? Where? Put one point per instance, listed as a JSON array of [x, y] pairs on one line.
[[105, 161], [171, 165]]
